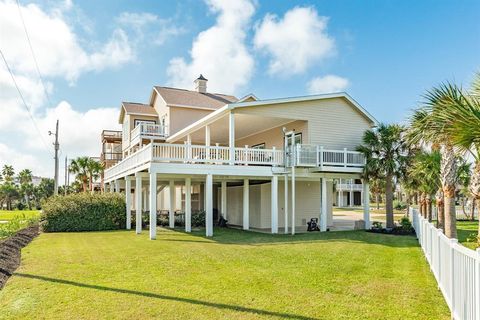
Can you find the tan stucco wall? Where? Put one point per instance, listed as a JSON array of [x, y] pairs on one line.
[[181, 117], [332, 123], [274, 137]]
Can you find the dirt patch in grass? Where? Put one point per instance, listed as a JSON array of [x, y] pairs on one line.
[[10, 252]]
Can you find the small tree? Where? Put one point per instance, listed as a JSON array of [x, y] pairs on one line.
[[385, 153]]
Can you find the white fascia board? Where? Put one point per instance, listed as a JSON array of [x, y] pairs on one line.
[[189, 107], [307, 98], [209, 118], [203, 169]]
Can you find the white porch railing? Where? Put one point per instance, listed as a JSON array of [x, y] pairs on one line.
[[317, 156], [165, 152], [148, 130], [349, 186], [455, 267], [183, 153]]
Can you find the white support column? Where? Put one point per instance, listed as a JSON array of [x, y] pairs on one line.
[[128, 201], [171, 208], [366, 204], [153, 205], [231, 136], [138, 204], [323, 217], [351, 196], [209, 205], [117, 186], [274, 205], [293, 200], [189, 147], [223, 205], [339, 196], [286, 204], [188, 204], [246, 204], [207, 141]]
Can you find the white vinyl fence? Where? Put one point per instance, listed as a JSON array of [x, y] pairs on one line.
[[456, 268]]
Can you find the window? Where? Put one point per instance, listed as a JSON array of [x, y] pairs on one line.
[[137, 121], [298, 139], [259, 146]]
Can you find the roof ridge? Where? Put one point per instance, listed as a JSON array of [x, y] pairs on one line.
[[131, 102], [181, 89]]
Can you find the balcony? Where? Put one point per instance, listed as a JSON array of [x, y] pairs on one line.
[[349, 161], [317, 156], [349, 187], [145, 130], [197, 154]]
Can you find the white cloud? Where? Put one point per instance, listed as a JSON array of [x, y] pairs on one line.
[[220, 52], [149, 26], [79, 135], [57, 47], [295, 42], [60, 55], [327, 84]]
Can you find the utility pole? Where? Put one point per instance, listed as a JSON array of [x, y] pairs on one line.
[[56, 146], [66, 179]]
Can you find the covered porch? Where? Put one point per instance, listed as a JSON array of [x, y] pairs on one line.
[[262, 201]]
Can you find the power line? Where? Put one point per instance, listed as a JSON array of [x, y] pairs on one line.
[[23, 100], [33, 55]]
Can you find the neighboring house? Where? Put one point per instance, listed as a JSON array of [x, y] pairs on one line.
[[349, 192], [262, 164]]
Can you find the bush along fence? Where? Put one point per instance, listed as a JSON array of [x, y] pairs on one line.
[[455, 267]]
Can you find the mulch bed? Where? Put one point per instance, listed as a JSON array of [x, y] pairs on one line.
[[10, 252], [393, 231]]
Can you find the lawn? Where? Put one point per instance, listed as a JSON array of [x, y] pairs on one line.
[[6, 215], [234, 275], [465, 229]]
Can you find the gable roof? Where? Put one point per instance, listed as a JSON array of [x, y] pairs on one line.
[[137, 109], [230, 107], [175, 97], [343, 95]]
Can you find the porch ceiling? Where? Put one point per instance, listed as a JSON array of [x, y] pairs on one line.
[[245, 125]]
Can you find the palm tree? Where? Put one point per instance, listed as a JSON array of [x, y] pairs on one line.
[[26, 187], [79, 167], [384, 150], [430, 126], [426, 169], [462, 110], [94, 169], [8, 173]]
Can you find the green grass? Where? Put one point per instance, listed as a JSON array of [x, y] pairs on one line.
[[234, 275], [465, 229], [6, 215]]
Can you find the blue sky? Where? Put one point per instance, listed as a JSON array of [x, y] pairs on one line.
[[383, 53], [391, 51]]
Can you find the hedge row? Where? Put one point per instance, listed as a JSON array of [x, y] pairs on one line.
[[84, 212]]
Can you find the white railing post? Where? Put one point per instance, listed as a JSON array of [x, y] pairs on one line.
[[245, 155], [345, 157], [274, 154], [453, 243], [321, 157], [476, 284]]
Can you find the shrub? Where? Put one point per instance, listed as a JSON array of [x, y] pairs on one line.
[[83, 212], [399, 205], [406, 225], [376, 225], [198, 219], [17, 223]]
